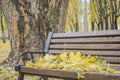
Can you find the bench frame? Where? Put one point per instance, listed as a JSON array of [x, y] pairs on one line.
[[71, 75]]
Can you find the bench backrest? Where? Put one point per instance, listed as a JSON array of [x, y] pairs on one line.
[[103, 43]]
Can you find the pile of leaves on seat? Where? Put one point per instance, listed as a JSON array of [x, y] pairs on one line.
[[73, 62]]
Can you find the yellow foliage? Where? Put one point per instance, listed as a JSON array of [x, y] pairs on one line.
[[72, 14], [9, 73], [41, 60], [52, 66], [111, 71], [30, 64], [4, 49]]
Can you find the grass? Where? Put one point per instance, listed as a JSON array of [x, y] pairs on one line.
[[4, 50]]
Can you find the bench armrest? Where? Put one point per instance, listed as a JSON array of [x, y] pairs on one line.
[[17, 67], [24, 53], [24, 56]]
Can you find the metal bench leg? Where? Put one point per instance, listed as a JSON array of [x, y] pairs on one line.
[[43, 78], [40, 78], [21, 76], [70, 79]]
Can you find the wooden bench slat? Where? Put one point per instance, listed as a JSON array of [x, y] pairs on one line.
[[89, 52], [115, 66], [87, 40], [101, 76], [87, 34], [68, 74], [112, 59], [86, 46], [49, 72]]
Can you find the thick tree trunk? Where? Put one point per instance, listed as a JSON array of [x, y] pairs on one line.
[[22, 24], [28, 24]]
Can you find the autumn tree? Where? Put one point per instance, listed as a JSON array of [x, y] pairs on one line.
[[2, 26], [105, 14], [73, 16], [29, 21]]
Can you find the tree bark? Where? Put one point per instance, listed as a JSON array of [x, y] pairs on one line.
[[2, 26], [28, 24], [57, 18], [106, 13]]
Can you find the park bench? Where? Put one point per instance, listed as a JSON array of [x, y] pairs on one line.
[[105, 44]]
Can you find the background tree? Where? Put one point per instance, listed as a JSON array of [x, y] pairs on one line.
[[73, 16], [78, 16], [105, 14], [57, 15], [85, 16], [3, 29]]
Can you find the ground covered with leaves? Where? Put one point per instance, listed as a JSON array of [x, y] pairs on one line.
[[4, 49], [8, 72]]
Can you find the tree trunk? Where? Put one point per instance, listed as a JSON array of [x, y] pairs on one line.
[[57, 18], [106, 13], [28, 24], [85, 16]]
